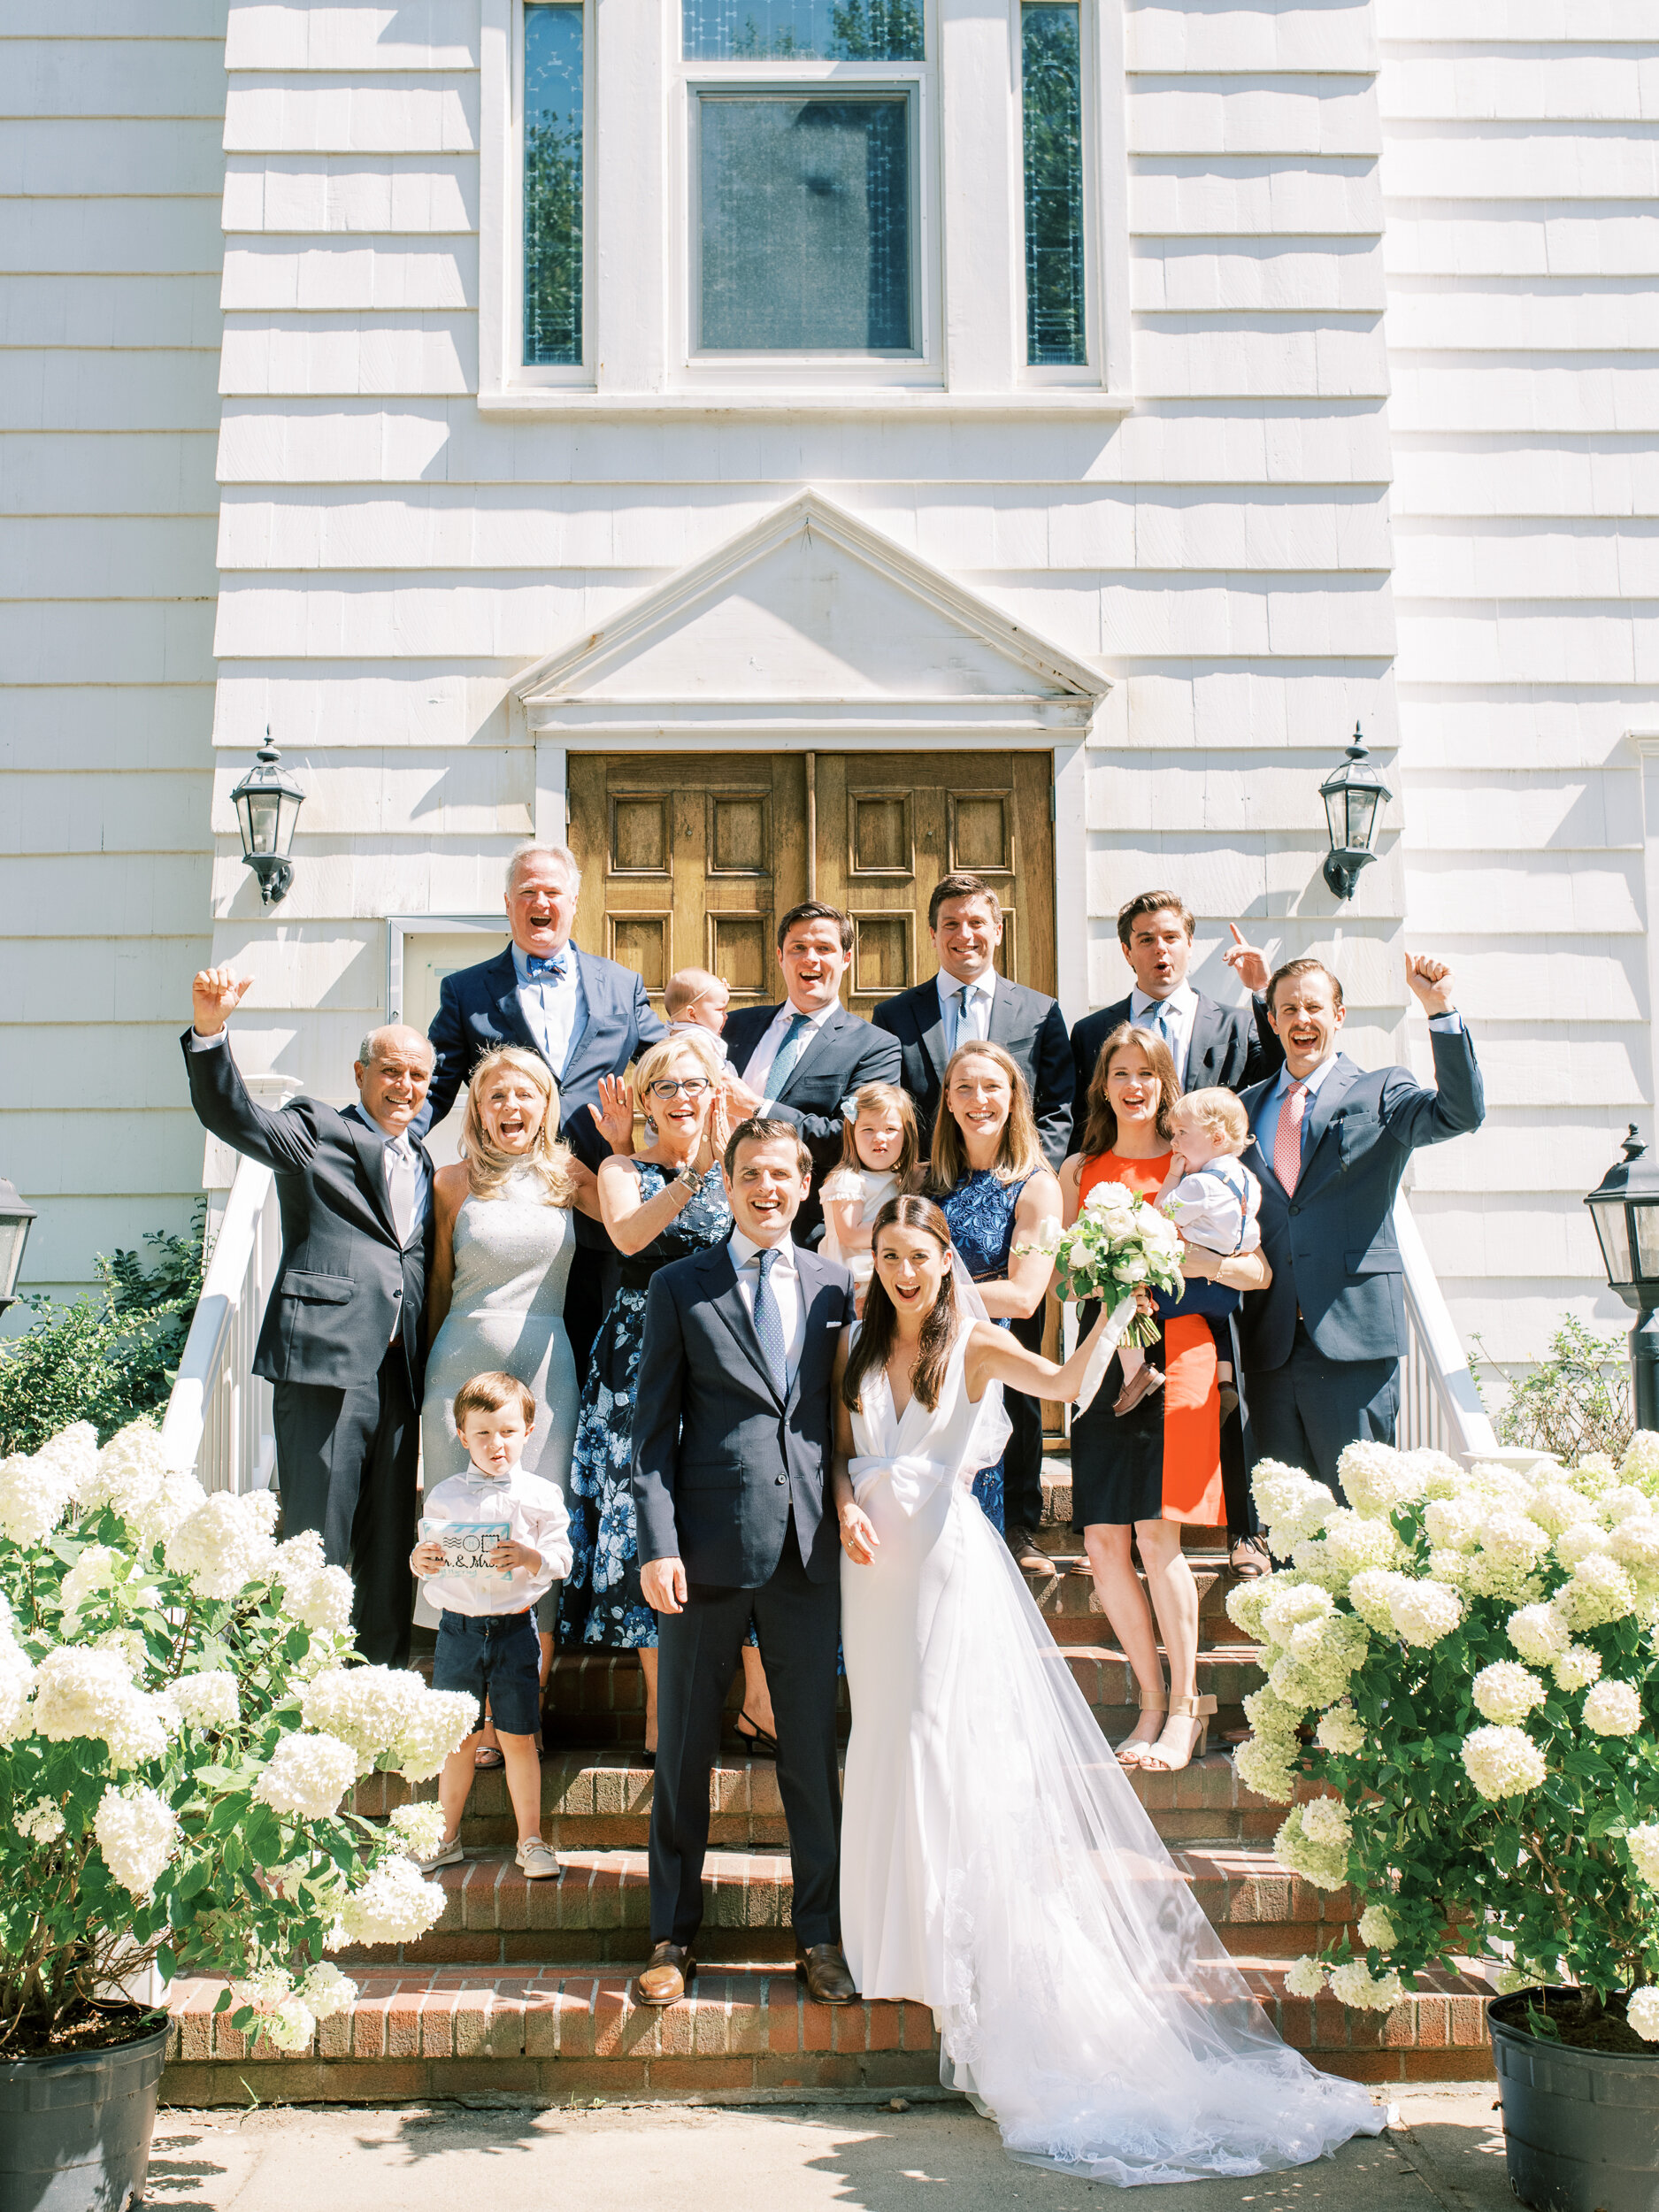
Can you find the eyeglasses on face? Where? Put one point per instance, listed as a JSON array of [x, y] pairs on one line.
[[671, 1085]]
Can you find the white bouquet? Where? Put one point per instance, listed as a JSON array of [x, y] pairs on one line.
[[1117, 1246]]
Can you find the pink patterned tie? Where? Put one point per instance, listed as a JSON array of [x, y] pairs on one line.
[[1287, 1137]]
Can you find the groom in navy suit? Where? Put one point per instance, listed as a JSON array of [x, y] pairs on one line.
[[732, 1448], [1324, 1342], [586, 1016]]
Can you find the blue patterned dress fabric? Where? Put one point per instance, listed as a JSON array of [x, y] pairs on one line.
[[981, 1211], [600, 1603]]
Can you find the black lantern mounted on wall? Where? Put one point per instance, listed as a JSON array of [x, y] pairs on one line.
[[16, 1215], [1354, 796], [267, 804], [1625, 1207]]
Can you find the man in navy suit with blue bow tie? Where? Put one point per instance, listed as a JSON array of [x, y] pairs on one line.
[[1324, 1342], [586, 1016]]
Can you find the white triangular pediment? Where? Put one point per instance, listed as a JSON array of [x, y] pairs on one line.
[[810, 607]]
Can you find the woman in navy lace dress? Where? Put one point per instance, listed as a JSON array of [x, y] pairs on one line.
[[658, 1205], [988, 1175]]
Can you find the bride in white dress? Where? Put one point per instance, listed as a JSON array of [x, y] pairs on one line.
[[997, 1865]]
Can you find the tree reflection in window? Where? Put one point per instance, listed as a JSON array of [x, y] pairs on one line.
[[802, 30], [552, 184], [1052, 75]]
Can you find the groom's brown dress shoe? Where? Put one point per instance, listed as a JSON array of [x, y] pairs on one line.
[[1028, 1556], [666, 1974], [823, 1970]]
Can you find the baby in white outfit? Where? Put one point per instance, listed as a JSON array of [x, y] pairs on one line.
[[1214, 1201]]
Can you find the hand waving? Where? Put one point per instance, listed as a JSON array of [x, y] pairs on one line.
[[614, 1115], [1430, 982], [1248, 963], [215, 995]]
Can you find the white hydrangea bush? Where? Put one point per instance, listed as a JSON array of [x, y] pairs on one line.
[[1462, 1712], [183, 1720]]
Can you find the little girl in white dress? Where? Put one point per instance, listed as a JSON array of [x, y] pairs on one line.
[[879, 1150]]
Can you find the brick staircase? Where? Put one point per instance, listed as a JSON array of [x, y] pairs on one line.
[[523, 1987]]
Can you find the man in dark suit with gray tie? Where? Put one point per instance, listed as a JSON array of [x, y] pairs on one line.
[[344, 1336], [969, 999], [1324, 1342], [586, 1016], [801, 1061]]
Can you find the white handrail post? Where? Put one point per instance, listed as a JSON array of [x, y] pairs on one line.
[[1469, 1427]]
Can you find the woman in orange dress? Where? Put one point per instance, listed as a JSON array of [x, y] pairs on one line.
[[1138, 1476]]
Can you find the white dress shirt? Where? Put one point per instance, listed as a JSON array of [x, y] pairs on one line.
[[981, 995], [784, 1279], [530, 1508], [1179, 1008], [758, 1071], [555, 1012]]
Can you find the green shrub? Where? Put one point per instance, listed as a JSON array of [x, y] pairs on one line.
[[107, 1358], [1575, 1402]]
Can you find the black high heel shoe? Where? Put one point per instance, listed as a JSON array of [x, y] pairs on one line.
[[761, 1746]]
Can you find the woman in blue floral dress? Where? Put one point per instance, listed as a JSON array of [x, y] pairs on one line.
[[988, 1175], [660, 1204]]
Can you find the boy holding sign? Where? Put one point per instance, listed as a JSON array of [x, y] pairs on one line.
[[493, 1541]]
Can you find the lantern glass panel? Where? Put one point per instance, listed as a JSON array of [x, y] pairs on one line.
[[1610, 1227], [288, 814], [1645, 1218], [1362, 812], [261, 814], [13, 1236]]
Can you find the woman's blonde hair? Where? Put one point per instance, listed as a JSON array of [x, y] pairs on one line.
[[1100, 1129], [874, 1098], [1018, 1155], [684, 1044], [487, 1166]]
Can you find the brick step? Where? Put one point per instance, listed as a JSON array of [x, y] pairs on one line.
[[600, 1909], [602, 1801], [598, 1697], [555, 2033]]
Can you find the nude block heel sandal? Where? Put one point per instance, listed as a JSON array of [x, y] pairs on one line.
[[1133, 1754], [1198, 1708]]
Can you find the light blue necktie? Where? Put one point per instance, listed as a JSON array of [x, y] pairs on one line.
[[769, 1326], [1157, 1020], [788, 1054], [965, 1026]]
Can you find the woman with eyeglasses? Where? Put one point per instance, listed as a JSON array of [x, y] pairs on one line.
[[658, 1204]]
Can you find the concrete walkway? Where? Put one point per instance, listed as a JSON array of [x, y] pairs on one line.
[[1447, 2157]]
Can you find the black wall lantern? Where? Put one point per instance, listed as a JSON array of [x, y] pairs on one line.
[[1354, 796], [16, 1215], [267, 804], [1625, 1207]]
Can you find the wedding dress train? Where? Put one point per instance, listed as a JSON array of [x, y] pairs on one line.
[[997, 1866]]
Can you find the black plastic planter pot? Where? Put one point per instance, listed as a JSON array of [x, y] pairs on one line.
[[1580, 2128], [75, 2128]]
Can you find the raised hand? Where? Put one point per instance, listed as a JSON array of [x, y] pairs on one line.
[[1430, 982], [614, 1116], [215, 995], [1247, 963]]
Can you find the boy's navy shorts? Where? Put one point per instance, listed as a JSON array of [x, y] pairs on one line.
[[495, 1655]]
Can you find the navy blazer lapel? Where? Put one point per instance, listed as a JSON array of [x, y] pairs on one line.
[[1005, 1029], [812, 1275], [727, 1301], [1203, 1041], [816, 1045], [1326, 1098], [930, 1028], [590, 972], [370, 1146], [503, 980]]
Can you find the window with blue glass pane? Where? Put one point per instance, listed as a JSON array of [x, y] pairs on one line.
[[552, 184], [802, 30], [1052, 79], [805, 224]]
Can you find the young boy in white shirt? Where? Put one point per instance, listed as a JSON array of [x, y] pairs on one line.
[[487, 1634]]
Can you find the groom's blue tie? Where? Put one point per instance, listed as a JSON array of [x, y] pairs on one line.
[[788, 1054], [769, 1325]]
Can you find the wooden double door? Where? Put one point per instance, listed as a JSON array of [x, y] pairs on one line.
[[689, 859]]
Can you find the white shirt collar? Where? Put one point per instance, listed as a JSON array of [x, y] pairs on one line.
[[949, 986], [1312, 1079], [788, 1010], [1180, 1000], [744, 1249]]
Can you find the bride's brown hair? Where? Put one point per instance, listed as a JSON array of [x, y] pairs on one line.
[[874, 1347]]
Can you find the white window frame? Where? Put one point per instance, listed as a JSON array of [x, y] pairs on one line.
[[638, 245]]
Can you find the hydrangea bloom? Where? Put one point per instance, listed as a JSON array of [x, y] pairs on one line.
[[1341, 1729], [93, 1571], [1352, 1984], [308, 1776], [1326, 1821], [223, 1545], [1378, 1479], [1454, 1523], [1263, 1764], [1377, 1929], [1642, 2012], [313, 1593], [418, 1829], [1597, 1591], [1287, 1609], [1612, 1708], [1371, 1593], [207, 1700], [1305, 1977], [1323, 1656], [1247, 1602], [395, 1905], [1502, 1761], [1539, 1633], [1554, 1506], [127, 1473], [1508, 1546], [1423, 1611], [42, 1821], [1634, 1543], [1642, 1843], [136, 1831], [385, 1712], [1578, 1542], [1507, 1692], [326, 1991], [1291, 1505], [1454, 1568], [1639, 1466], [1319, 1860], [17, 1678], [92, 1694], [1349, 1546], [34, 1495], [1578, 1667]]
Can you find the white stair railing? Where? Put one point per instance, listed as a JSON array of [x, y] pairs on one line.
[[218, 1418], [1438, 1402]]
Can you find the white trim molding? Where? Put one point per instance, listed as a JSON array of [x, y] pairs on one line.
[[1645, 745]]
